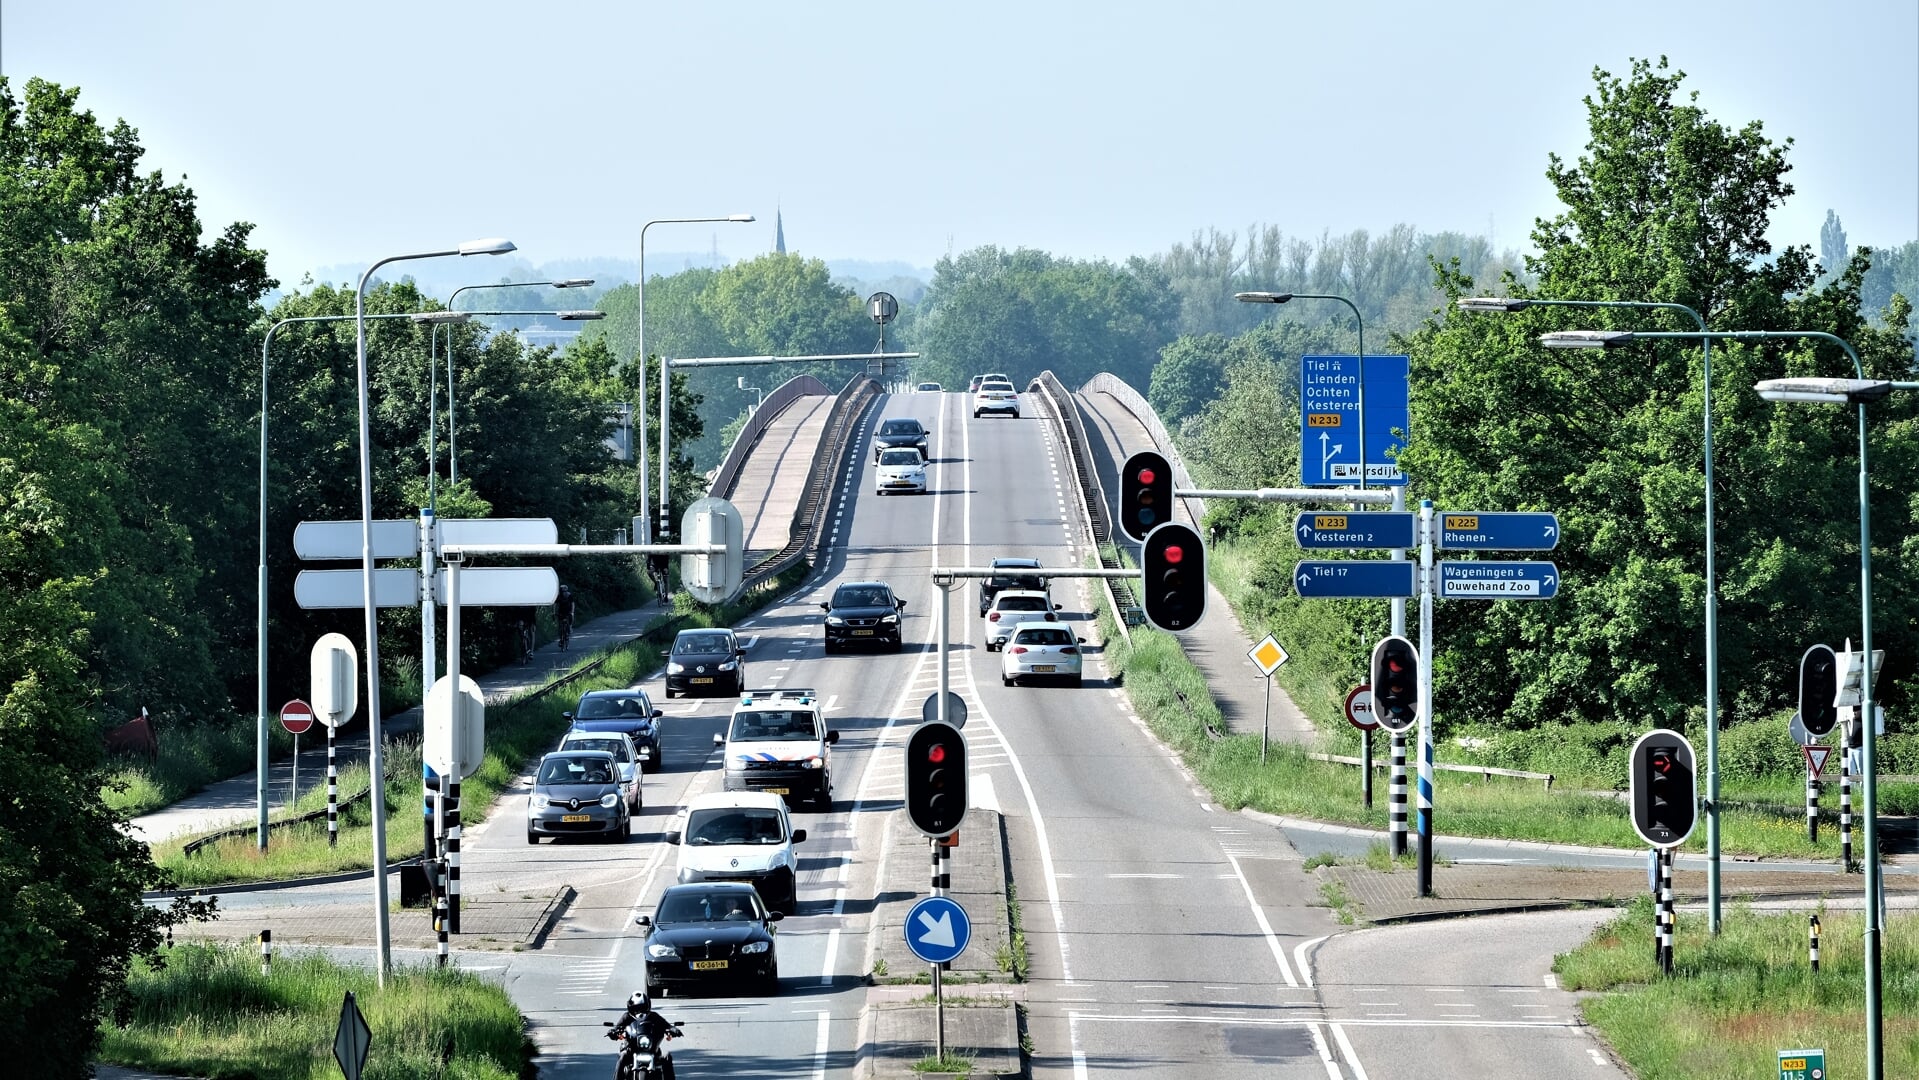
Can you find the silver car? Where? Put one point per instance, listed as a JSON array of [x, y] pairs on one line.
[[902, 470], [624, 754], [1041, 651], [1011, 607], [577, 793]]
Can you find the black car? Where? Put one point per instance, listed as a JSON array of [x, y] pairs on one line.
[[863, 612], [1011, 579], [708, 932], [705, 661], [898, 433], [630, 711]]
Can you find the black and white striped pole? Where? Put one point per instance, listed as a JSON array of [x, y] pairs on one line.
[[1812, 940], [266, 953], [1666, 911], [453, 857], [1396, 796], [1845, 813], [1812, 808], [332, 792]]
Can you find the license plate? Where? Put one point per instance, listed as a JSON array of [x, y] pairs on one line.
[[776, 790], [709, 965], [576, 817], [703, 679], [862, 633], [1042, 667]]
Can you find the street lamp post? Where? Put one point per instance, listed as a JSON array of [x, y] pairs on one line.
[[376, 763], [1858, 391], [665, 527], [1502, 304]]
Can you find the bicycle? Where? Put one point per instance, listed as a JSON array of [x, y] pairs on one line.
[[529, 642], [566, 633]]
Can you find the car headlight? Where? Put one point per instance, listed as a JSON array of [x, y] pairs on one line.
[[610, 800], [810, 763], [729, 665], [662, 952], [541, 802], [674, 668], [835, 620], [891, 619], [754, 948]]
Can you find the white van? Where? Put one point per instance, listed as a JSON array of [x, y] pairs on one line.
[[741, 836], [776, 741]]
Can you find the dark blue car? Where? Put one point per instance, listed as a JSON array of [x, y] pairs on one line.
[[629, 711]]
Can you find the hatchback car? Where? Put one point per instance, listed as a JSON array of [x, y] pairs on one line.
[[863, 612], [577, 793], [705, 661], [995, 397], [900, 470], [1012, 607], [901, 431], [1040, 650], [973, 387], [629, 712], [624, 756], [929, 388], [1010, 579], [709, 933]]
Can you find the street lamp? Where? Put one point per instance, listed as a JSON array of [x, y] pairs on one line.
[[452, 443], [1858, 391], [376, 759], [1508, 304], [665, 379]]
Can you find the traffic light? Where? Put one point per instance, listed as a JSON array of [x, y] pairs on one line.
[[1174, 568], [1395, 679], [936, 778], [1664, 803], [1818, 690], [1145, 494]]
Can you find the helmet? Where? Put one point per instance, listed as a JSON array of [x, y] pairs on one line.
[[639, 1003]]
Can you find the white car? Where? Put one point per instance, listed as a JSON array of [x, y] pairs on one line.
[[1011, 607], [741, 836], [997, 396], [901, 469], [625, 755], [1040, 650]]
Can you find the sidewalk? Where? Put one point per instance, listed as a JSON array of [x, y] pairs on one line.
[[235, 801]]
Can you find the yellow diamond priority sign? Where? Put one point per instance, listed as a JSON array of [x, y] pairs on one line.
[[1268, 656]]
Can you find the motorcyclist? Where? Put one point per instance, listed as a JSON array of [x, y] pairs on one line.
[[640, 1019]]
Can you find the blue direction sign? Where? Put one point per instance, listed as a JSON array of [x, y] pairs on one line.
[[1354, 577], [937, 929], [1469, 530], [1329, 419], [1388, 529], [1485, 579]]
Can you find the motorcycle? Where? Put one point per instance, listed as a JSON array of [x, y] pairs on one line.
[[640, 1059]]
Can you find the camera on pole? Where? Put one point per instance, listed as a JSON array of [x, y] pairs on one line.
[[1395, 680], [1664, 788], [1145, 494], [1818, 690], [936, 778], [1173, 565]]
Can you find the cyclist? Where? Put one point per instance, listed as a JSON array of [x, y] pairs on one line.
[[656, 572], [563, 612]]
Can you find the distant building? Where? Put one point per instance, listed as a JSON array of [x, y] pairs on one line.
[[779, 232]]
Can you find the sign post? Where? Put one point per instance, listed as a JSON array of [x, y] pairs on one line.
[[333, 674], [1359, 713], [1268, 656], [937, 930]]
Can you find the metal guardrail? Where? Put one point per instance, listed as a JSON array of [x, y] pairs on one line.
[[1055, 399], [1129, 399], [1487, 771], [809, 517], [728, 476]]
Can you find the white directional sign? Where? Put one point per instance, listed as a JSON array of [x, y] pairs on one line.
[[479, 531], [502, 586], [480, 586], [345, 589], [1485, 579], [341, 540]]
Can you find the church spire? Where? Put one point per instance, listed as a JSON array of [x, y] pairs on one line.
[[779, 231]]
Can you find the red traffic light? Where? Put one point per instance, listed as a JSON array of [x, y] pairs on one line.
[[936, 753], [1147, 476], [1175, 554]]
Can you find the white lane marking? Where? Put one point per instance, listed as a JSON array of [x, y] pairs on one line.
[[1325, 1052], [820, 1047], [1551, 982], [832, 953], [1155, 877], [1598, 1058], [1072, 1038], [1305, 964], [1346, 1051], [1265, 928], [980, 793]]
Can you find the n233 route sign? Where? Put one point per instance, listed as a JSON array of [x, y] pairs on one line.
[[1354, 578], [1329, 418], [1498, 531], [1485, 579], [1387, 529]]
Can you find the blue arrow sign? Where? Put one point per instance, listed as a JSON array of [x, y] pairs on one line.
[[1329, 418], [1484, 579], [1354, 577], [1389, 529], [1468, 530], [937, 929]]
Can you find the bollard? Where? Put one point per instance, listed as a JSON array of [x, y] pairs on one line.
[[1812, 939], [266, 953], [1396, 796]]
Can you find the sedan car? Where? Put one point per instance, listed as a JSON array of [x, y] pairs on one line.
[[624, 756], [710, 932], [1009, 578], [629, 712], [577, 793], [973, 387], [901, 431], [1040, 650], [902, 470], [863, 612], [996, 397], [705, 661], [1012, 607], [929, 388]]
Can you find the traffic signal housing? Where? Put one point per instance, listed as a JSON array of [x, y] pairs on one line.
[[1664, 788], [936, 778], [1173, 566], [1818, 690], [1145, 494], [1395, 681]]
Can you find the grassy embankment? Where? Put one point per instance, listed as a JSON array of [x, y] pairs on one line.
[[209, 1012]]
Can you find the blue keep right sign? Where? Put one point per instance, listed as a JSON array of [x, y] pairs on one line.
[[937, 929]]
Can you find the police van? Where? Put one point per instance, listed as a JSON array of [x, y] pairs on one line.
[[777, 741]]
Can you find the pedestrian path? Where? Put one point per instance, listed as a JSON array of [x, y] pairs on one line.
[[234, 801]]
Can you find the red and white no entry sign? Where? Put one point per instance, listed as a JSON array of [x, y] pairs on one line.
[[296, 716]]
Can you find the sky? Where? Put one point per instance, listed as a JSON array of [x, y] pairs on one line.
[[910, 131]]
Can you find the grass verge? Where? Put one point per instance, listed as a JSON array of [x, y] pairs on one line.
[[1735, 1000], [209, 1012]]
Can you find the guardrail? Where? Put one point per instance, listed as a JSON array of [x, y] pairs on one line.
[[1487, 771], [1119, 390], [1055, 400], [809, 517], [728, 476]]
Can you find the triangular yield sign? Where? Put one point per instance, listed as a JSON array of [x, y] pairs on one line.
[[1816, 758]]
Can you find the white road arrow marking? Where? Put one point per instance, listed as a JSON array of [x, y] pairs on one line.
[[938, 932]]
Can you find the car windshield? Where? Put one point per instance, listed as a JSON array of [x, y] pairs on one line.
[[900, 427], [743, 825], [616, 747], [1048, 635], [692, 906], [929, 386], [607, 708], [900, 457], [860, 597], [774, 725], [700, 643], [1017, 582], [575, 770], [1022, 603]]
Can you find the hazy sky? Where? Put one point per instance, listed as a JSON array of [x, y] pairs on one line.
[[350, 131]]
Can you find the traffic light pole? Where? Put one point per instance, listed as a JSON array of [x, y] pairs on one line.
[[1425, 697]]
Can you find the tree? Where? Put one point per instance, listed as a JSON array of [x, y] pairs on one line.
[[1832, 244]]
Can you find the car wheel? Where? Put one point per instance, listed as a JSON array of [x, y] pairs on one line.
[[1016, 416], [899, 645], [829, 645], [670, 693], [1006, 680], [771, 984], [1076, 681], [976, 414], [532, 837]]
